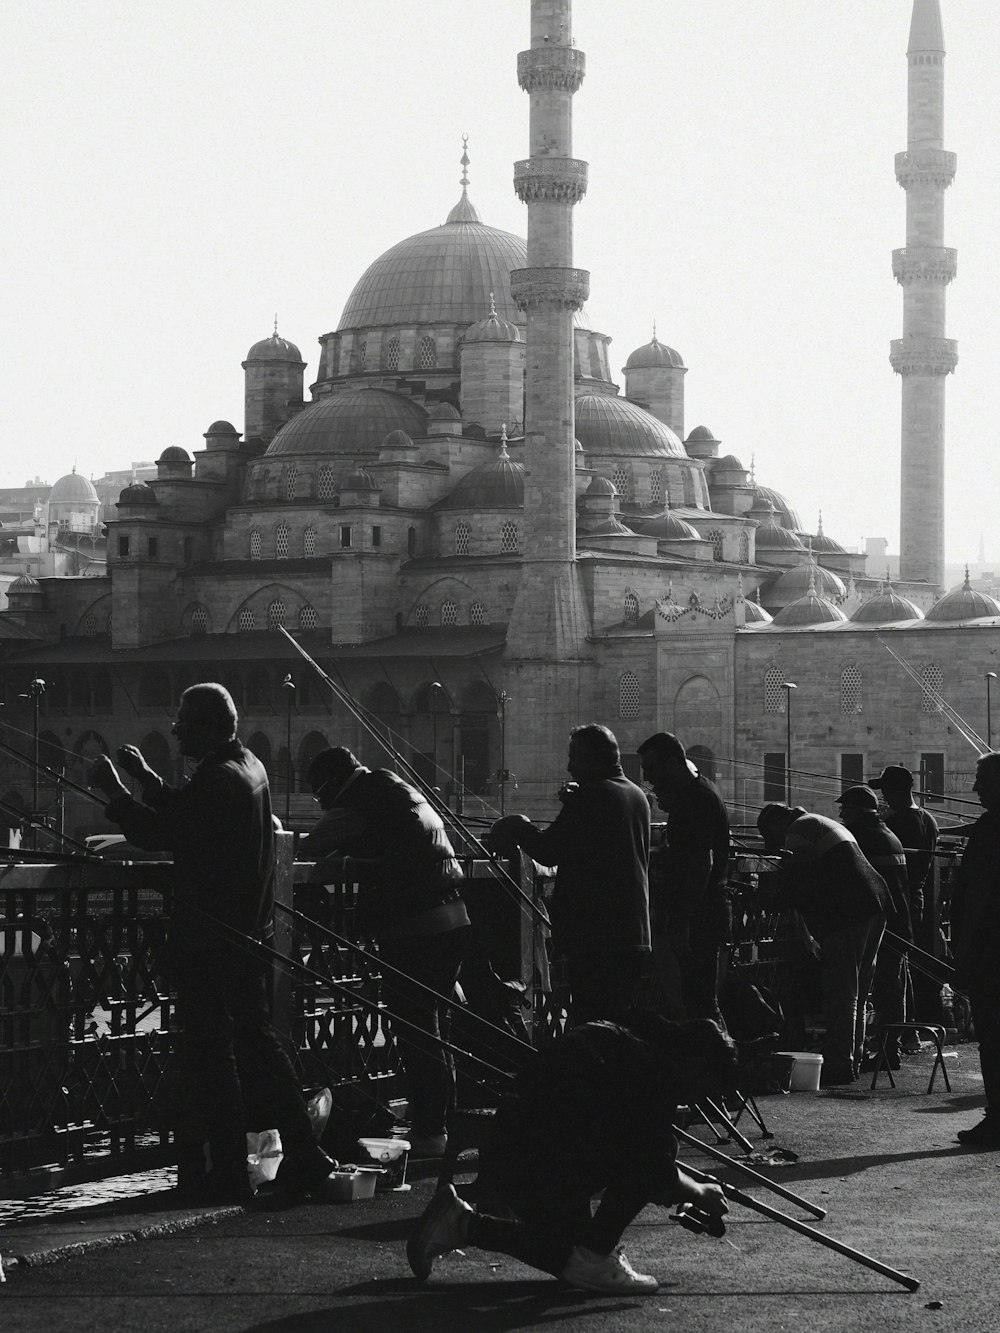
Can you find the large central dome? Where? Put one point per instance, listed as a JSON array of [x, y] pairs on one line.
[[447, 274]]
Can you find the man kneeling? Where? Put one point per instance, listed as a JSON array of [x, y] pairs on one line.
[[590, 1112]]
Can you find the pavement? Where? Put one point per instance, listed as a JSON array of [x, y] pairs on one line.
[[885, 1164]]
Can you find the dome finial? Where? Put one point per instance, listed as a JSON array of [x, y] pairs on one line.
[[465, 210], [966, 586], [275, 324], [654, 330], [493, 306], [464, 182], [503, 441], [819, 526], [753, 469]]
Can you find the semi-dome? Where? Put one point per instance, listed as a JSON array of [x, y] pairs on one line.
[[795, 583], [274, 348], [138, 493], [498, 484], [654, 355], [886, 608], [446, 275], [355, 422], [607, 424], [809, 610], [766, 499], [72, 487], [754, 614], [964, 603]]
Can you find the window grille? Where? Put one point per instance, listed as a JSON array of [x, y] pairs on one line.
[[462, 539], [620, 478], [90, 625], [628, 695], [931, 680], [281, 541], [309, 541], [631, 607], [422, 614], [850, 690], [326, 484], [392, 354], [291, 477], [246, 620], [775, 694], [363, 356], [308, 618], [276, 615], [715, 537], [656, 486], [477, 614], [744, 547], [199, 620], [449, 613], [256, 545], [428, 354], [508, 538]]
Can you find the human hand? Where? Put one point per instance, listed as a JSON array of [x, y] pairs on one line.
[[502, 839], [131, 760], [567, 790], [706, 1197], [104, 776]]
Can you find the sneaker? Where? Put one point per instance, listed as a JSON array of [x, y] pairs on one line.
[[428, 1145], [443, 1227], [984, 1135], [612, 1272]]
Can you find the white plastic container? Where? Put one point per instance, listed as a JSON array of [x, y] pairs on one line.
[[805, 1070], [391, 1154]]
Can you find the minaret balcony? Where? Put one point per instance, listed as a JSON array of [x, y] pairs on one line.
[[551, 67], [924, 263], [549, 288], [926, 168], [919, 355], [558, 180]]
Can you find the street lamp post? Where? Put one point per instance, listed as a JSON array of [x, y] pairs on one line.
[[36, 689], [435, 686], [503, 698], [288, 685], [990, 675], [788, 686]]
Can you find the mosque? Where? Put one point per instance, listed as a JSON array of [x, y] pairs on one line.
[[485, 537]]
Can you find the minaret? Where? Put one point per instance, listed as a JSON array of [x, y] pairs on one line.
[[549, 619], [924, 356]]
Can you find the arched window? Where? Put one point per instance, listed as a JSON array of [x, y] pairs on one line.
[[715, 537], [90, 625], [291, 477], [281, 541], [850, 690], [508, 538], [744, 547], [931, 680], [245, 620], [308, 618], [326, 484], [421, 615], [477, 614], [462, 539], [392, 354], [256, 545], [428, 353], [656, 486], [199, 620], [449, 613], [276, 614], [309, 541], [628, 695], [620, 478], [631, 608], [774, 691]]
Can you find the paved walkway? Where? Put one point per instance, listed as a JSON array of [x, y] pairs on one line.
[[886, 1166]]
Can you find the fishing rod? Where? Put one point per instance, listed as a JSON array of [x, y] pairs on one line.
[[39, 826], [38, 766], [952, 714], [441, 807]]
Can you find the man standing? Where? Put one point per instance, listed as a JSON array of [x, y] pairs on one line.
[[599, 843], [975, 942], [219, 831], [843, 902], [884, 852], [691, 910], [414, 909]]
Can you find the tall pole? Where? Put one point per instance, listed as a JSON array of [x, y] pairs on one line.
[[503, 698], [288, 685], [788, 686], [990, 676], [36, 689], [435, 686]]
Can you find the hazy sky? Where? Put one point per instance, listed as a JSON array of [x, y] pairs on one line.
[[177, 173]]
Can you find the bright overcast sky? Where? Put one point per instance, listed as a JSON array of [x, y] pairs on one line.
[[177, 173]]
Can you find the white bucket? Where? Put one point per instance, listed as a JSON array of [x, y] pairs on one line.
[[805, 1070]]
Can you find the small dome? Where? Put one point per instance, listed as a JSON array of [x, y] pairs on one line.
[[398, 439], [964, 603], [355, 422], [666, 527], [653, 356], [495, 485], [766, 499], [492, 329], [174, 454], [72, 487], [137, 494], [820, 542], [771, 536], [274, 348], [809, 610], [607, 424], [702, 433], [25, 583], [221, 428], [727, 463], [754, 614], [601, 486], [443, 411], [886, 608], [361, 480], [795, 583]]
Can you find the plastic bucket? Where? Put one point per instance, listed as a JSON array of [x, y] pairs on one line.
[[805, 1070], [390, 1154]]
